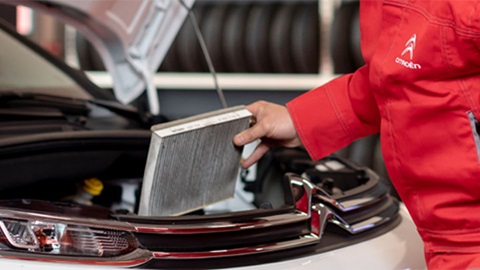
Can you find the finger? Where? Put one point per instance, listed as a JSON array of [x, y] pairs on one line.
[[258, 153], [249, 135]]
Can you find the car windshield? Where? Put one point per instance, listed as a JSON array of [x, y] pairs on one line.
[[25, 71]]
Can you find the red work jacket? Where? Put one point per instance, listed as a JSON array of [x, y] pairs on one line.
[[420, 88]]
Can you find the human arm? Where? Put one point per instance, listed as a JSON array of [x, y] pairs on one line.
[[323, 119]]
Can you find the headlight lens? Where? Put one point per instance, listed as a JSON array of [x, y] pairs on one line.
[[66, 239]]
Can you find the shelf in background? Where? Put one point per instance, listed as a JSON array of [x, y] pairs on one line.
[[227, 81]]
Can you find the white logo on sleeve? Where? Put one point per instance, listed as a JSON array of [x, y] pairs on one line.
[[409, 48]]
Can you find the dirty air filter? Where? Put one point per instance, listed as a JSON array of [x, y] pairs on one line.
[[192, 162]]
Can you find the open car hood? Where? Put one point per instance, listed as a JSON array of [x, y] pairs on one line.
[[132, 37]]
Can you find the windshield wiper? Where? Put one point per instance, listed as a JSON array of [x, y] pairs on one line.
[[12, 100]]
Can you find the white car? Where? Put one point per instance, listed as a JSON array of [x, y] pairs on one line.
[[59, 128]]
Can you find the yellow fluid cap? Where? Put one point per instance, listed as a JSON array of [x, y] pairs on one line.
[[93, 186]]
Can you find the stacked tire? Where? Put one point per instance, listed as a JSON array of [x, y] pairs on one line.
[[250, 37], [345, 38]]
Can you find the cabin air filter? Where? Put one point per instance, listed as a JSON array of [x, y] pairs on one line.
[[192, 162]]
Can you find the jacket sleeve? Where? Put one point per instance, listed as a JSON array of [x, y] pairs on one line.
[[332, 116]]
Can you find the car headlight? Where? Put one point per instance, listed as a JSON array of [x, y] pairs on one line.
[[66, 239]]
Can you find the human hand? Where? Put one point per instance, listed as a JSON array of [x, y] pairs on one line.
[[273, 125]]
